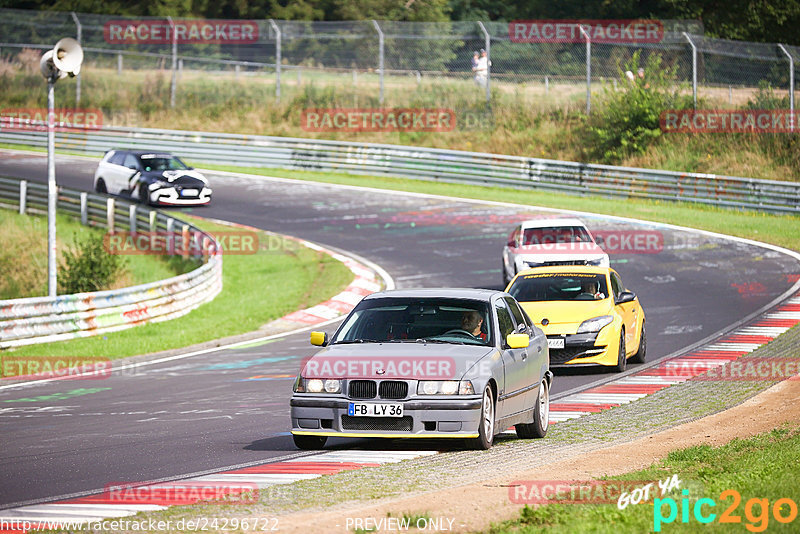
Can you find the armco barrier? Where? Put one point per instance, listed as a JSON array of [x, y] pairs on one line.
[[432, 164], [43, 319]]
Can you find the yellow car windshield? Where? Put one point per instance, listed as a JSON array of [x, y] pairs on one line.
[[537, 287]]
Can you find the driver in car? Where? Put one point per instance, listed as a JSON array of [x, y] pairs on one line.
[[472, 321], [593, 289]]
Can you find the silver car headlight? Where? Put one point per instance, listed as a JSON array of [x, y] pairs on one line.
[[445, 387], [595, 324], [317, 385]]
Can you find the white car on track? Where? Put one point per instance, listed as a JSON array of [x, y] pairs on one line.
[[546, 242], [151, 177]]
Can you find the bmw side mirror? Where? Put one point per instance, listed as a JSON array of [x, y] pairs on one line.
[[518, 341], [319, 339]]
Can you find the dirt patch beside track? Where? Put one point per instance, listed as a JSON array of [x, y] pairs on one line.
[[475, 506]]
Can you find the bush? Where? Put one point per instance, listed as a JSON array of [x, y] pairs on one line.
[[765, 98], [626, 121], [87, 266]]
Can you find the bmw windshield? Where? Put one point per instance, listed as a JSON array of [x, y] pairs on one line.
[[430, 320]]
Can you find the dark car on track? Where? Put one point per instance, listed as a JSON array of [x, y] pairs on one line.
[[152, 177]]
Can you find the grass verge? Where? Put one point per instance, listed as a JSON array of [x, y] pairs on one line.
[[23, 255], [781, 230], [281, 277], [526, 119], [761, 470]]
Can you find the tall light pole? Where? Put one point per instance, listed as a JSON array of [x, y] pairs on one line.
[[63, 60]]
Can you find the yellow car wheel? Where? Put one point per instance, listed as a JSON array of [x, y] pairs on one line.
[[622, 361], [640, 354]]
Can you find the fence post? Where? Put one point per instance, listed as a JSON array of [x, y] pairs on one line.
[[588, 70], [119, 64], [85, 209], [170, 236], [78, 76], [694, 68], [277, 31], [132, 218], [23, 196], [174, 37], [380, 56], [546, 84], [110, 215], [488, 47], [791, 85]]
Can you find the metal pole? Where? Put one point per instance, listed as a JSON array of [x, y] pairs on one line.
[[78, 76], [380, 56], [791, 85], [277, 31], [23, 196], [52, 192], [174, 62], [85, 209], [588, 70], [694, 68]]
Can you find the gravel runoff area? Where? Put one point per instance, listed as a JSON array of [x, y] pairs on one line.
[[305, 503]]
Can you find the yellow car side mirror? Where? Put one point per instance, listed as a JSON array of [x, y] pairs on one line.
[[518, 341], [320, 339]]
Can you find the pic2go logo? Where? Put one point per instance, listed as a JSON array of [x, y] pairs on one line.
[[756, 511]]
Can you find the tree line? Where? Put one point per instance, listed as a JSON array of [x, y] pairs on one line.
[[746, 20]]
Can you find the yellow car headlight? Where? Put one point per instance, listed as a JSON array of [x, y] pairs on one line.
[[595, 324]]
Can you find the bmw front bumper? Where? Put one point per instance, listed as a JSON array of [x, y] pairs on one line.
[[451, 417]]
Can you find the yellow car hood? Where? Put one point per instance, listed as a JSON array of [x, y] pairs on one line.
[[565, 316]]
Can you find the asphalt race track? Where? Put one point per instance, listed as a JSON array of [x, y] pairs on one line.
[[230, 407]]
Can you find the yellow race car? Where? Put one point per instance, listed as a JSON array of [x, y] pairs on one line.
[[586, 313]]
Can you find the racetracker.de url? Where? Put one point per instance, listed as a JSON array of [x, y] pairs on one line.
[[201, 524]]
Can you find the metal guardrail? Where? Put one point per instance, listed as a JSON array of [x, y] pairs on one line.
[[44, 319], [431, 164]]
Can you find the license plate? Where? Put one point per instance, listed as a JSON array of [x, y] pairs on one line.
[[555, 342], [369, 409], [189, 192]]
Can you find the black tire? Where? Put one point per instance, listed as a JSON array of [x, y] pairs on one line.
[[641, 354], [541, 415], [486, 424], [309, 442], [622, 361], [506, 279], [100, 186], [142, 194]]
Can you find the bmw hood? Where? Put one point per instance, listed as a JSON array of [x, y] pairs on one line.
[[394, 360]]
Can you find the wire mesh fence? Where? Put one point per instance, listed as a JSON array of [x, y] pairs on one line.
[[386, 58]]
